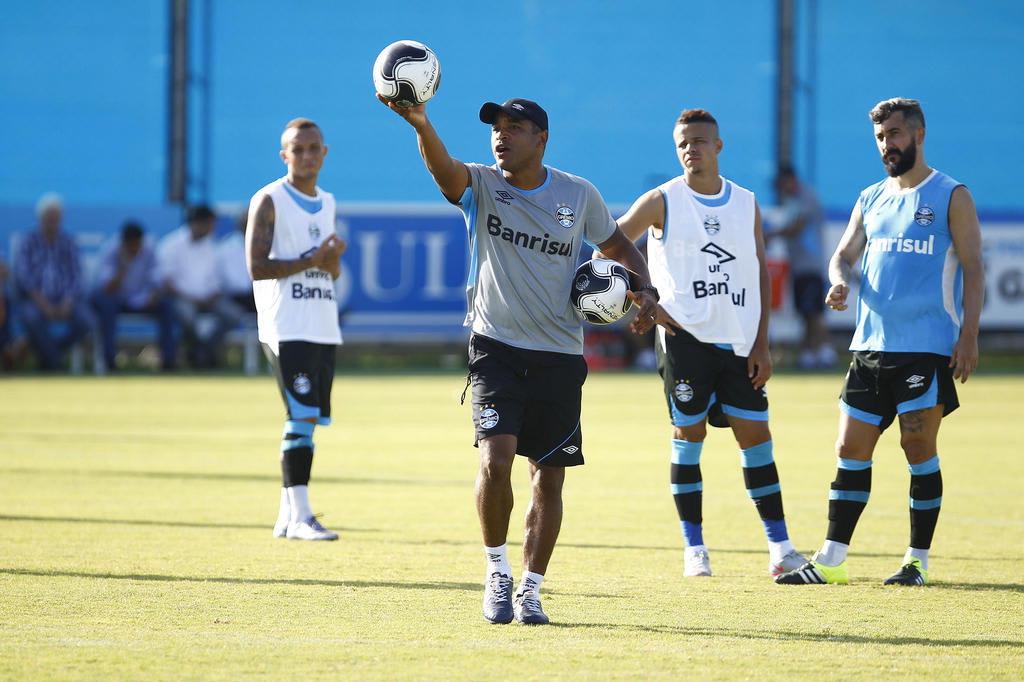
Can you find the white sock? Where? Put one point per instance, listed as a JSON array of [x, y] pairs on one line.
[[298, 496], [284, 511], [919, 554], [695, 548], [497, 560], [530, 582], [777, 550], [832, 553]]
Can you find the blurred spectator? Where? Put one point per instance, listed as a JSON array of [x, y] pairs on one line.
[[235, 277], [188, 269], [127, 283], [801, 226], [48, 275]]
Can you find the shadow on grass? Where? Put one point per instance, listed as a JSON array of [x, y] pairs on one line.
[[978, 587], [229, 476], [154, 577], [154, 522], [679, 548], [782, 635]]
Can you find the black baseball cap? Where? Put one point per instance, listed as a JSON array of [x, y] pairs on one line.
[[516, 108]]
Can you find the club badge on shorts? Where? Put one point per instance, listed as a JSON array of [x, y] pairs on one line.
[[683, 392], [301, 384], [488, 418]]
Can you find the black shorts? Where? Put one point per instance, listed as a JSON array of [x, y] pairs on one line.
[[809, 294], [706, 380], [534, 395], [305, 372], [881, 385]]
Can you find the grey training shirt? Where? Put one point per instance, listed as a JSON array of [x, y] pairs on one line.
[[524, 245]]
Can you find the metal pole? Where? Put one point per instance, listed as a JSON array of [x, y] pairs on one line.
[[207, 120], [785, 83], [177, 128], [812, 92]]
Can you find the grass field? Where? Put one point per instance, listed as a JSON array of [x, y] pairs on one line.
[[135, 518]]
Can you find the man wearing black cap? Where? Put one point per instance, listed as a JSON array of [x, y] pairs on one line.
[[527, 223]]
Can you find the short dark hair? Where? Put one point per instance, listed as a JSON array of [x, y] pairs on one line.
[[131, 231], [301, 123], [696, 116], [200, 212], [910, 108]]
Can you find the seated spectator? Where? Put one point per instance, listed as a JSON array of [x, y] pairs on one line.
[[235, 279], [48, 275], [127, 283], [189, 272]]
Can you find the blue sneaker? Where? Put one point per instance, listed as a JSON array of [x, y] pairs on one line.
[[498, 598], [528, 610]]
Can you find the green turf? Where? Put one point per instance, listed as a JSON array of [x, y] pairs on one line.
[[135, 542]]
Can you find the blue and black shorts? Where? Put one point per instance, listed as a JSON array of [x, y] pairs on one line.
[[533, 395], [706, 381], [881, 385], [305, 372]]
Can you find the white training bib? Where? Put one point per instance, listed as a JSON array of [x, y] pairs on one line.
[[300, 307], [705, 263]]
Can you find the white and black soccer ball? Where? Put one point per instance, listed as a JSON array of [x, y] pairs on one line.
[[407, 73], [599, 291]]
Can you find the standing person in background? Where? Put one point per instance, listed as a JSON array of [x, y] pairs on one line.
[[801, 227], [705, 250], [127, 283], [293, 257], [917, 238], [189, 271], [48, 274]]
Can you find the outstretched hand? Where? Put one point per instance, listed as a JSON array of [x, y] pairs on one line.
[[646, 319], [415, 116]]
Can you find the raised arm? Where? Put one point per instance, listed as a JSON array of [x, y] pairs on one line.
[[259, 238], [647, 211], [451, 175], [841, 264], [966, 234]]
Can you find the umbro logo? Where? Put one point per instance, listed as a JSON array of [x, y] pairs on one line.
[[503, 197], [915, 381], [718, 252], [572, 450]]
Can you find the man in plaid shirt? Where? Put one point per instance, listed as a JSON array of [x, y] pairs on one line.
[[48, 276]]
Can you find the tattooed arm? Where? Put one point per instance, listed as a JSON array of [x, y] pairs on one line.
[[259, 237]]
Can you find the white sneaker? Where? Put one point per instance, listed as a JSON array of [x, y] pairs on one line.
[[790, 562], [826, 356], [696, 562], [310, 529], [284, 515]]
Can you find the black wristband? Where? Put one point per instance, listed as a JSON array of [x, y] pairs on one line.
[[651, 289]]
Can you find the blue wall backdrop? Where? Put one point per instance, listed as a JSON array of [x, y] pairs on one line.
[[83, 91]]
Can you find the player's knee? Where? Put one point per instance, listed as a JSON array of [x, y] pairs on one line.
[[548, 480], [917, 449], [495, 464], [694, 433], [848, 450]]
